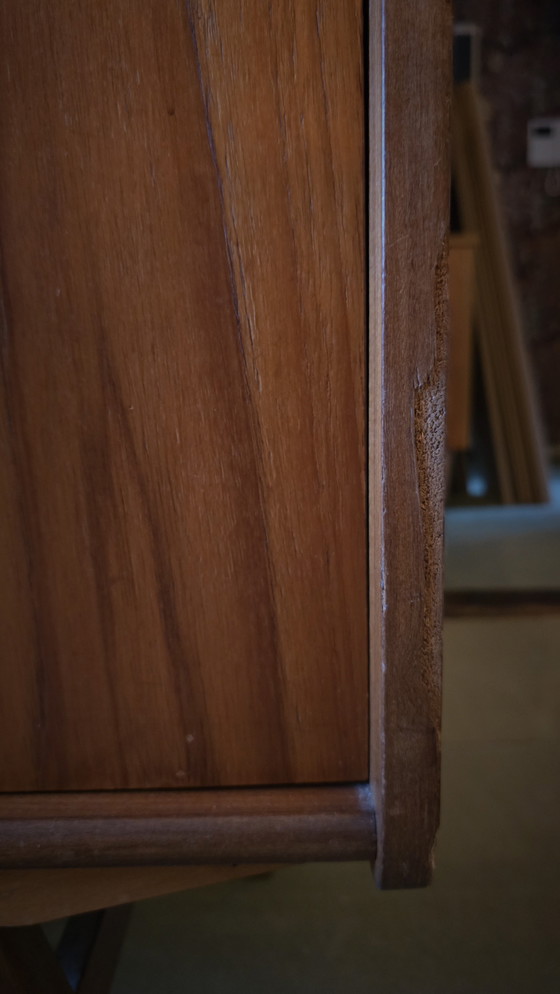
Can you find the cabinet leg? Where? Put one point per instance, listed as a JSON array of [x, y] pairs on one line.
[[84, 962], [99, 956], [28, 964]]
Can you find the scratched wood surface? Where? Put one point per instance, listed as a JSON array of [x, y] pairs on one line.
[[410, 64], [182, 496]]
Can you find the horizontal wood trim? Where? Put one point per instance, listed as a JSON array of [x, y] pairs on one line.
[[166, 828], [501, 603]]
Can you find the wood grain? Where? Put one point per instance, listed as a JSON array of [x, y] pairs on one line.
[[283, 825], [182, 506], [410, 86], [197, 434]]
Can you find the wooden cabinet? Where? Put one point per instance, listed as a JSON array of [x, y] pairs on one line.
[[223, 261]]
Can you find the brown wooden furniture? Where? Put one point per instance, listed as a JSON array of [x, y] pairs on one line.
[[222, 432], [85, 960]]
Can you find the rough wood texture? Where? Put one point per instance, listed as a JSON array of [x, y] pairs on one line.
[[181, 827], [28, 897], [183, 578], [410, 66]]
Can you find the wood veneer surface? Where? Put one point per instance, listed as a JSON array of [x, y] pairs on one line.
[[183, 577]]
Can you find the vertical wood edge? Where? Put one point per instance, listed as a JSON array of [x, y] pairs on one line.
[[410, 88]]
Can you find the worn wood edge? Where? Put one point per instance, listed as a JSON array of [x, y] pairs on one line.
[[407, 374], [188, 827]]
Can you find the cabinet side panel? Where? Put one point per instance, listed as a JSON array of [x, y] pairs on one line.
[[181, 225], [410, 71]]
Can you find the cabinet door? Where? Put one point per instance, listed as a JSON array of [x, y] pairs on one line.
[[221, 503], [182, 218]]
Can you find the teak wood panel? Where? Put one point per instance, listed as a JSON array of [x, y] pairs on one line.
[[183, 574]]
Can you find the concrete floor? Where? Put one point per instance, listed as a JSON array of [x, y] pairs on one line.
[[491, 921]]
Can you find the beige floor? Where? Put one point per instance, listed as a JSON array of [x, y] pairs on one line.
[[491, 921]]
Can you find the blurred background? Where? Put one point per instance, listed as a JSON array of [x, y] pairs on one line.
[[519, 79], [503, 398]]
